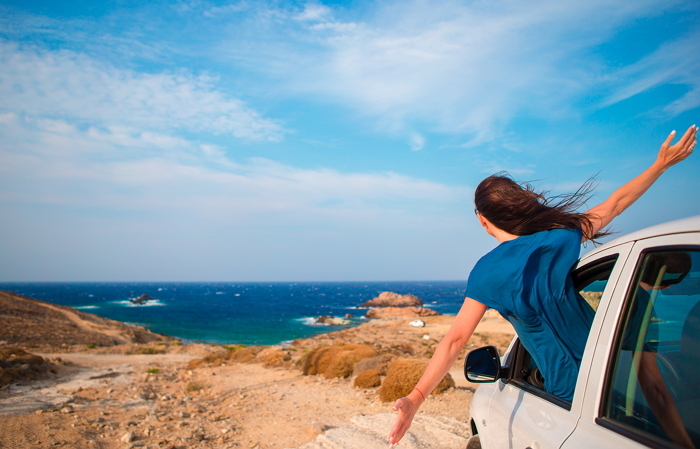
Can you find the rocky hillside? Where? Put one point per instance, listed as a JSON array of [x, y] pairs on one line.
[[29, 323]]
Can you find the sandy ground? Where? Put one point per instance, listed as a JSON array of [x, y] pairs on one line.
[[111, 400]]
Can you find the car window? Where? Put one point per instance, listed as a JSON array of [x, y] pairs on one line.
[[591, 279], [654, 386]]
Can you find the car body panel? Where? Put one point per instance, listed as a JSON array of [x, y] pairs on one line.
[[531, 420]]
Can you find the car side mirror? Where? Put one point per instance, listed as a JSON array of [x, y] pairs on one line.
[[483, 365]]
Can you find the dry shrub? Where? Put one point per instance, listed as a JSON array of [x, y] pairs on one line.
[[403, 375], [337, 360], [379, 363], [276, 358], [236, 353], [247, 355], [368, 379], [194, 386], [147, 350], [210, 360]]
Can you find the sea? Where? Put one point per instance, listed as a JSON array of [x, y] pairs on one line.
[[237, 313]]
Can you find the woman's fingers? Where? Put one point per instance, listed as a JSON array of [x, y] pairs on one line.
[[398, 404], [403, 421], [671, 155], [688, 138], [669, 139]]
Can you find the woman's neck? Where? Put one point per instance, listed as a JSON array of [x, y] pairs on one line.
[[493, 230], [503, 236]]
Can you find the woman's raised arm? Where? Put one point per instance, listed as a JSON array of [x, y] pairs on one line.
[[669, 155], [445, 355]]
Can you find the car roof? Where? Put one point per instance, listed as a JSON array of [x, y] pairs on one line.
[[691, 224]]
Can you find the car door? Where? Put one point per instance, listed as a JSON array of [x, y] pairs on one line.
[[521, 413], [651, 332]]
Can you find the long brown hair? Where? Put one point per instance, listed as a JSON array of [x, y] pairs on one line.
[[518, 209]]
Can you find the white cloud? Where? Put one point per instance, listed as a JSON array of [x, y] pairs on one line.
[[672, 63], [69, 85], [417, 141], [313, 12], [215, 11], [53, 163], [460, 67]]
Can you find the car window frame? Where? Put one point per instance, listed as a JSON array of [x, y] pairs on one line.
[[622, 429]]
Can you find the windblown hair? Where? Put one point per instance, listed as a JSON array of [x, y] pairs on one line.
[[520, 210]]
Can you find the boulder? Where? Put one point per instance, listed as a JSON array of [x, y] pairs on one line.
[[391, 299], [379, 363], [404, 312]]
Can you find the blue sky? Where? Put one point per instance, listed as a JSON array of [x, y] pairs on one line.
[[321, 141]]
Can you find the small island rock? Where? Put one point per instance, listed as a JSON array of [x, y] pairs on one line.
[[391, 299], [332, 321], [144, 298]]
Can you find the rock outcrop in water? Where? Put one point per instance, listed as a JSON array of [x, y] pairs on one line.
[[143, 299], [391, 299], [390, 304]]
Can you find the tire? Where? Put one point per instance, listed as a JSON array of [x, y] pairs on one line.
[[473, 442]]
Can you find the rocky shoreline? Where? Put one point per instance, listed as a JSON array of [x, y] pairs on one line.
[[161, 394]]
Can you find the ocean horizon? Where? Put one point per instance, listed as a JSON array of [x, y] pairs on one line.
[[247, 313]]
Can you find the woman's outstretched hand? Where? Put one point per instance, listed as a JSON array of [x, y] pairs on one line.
[[670, 155], [407, 409]]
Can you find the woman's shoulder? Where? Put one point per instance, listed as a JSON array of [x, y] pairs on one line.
[[559, 235]]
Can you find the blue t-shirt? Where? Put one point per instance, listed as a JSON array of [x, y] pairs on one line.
[[528, 281]]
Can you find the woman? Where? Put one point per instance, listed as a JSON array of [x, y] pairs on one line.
[[526, 277]]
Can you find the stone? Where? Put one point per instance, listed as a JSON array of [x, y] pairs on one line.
[[316, 428], [127, 437]]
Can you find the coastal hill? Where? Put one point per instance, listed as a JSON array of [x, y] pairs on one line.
[[30, 323]]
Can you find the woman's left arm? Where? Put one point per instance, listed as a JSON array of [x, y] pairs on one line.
[[445, 355], [669, 155]]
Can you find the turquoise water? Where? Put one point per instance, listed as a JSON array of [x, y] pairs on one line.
[[233, 313]]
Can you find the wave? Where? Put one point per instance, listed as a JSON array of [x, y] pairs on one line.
[[87, 307], [310, 321]]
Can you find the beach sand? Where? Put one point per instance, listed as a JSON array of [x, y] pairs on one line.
[[107, 398]]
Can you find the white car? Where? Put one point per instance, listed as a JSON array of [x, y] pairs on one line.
[[639, 381]]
